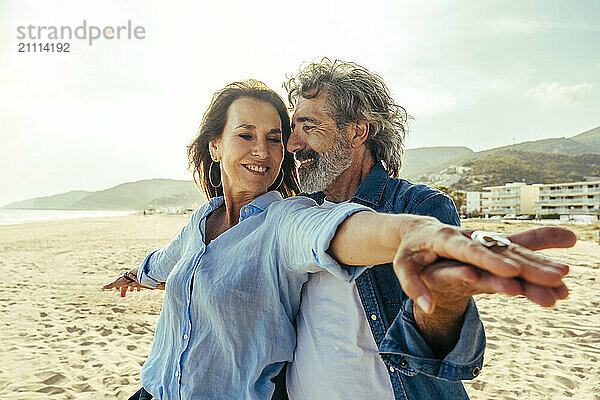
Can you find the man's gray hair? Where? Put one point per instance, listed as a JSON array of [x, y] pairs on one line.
[[356, 94]]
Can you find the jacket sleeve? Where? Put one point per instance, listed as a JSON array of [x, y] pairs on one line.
[[403, 345]]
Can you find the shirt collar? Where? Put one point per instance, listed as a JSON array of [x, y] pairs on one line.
[[256, 206], [372, 187]]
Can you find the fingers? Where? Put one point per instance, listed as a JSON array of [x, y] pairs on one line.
[[561, 292], [530, 266], [544, 238], [450, 280], [453, 280], [544, 296], [122, 285], [460, 248], [120, 281], [444, 276], [407, 270], [536, 268]]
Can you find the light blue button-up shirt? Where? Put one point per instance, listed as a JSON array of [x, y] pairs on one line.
[[225, 328]]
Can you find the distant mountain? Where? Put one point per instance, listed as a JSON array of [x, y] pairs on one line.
[[586, 142], [127, 196], [56, 202], [424, 158]]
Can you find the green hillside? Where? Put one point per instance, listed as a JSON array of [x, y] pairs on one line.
[[424, 158], [590, 138], [530, 167]]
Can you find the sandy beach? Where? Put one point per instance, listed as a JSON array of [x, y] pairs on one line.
[[66, 338]]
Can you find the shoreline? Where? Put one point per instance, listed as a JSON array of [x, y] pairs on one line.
[[18, 216]]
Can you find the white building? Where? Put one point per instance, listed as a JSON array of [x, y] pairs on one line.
[[573, 198], [477, 202], [512, 198]]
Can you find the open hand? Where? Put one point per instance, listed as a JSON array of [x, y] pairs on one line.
[[129, 282]]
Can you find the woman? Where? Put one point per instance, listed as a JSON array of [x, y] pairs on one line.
[[234, 273]]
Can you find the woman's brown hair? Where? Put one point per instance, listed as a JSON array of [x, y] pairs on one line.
[[213, 124]]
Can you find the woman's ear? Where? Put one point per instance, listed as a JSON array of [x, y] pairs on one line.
[[213, 148]]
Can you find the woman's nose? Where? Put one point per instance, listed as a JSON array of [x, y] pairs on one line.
[[260, 149]]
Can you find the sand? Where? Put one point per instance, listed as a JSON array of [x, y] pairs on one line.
[[63, 337]]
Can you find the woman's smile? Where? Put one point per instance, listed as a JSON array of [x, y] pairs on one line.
[[256, 169]]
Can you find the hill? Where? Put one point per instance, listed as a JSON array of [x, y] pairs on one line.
[[590, 138], [127, 196], [56, 202], [424, 158], [529, 167], [584, 143]]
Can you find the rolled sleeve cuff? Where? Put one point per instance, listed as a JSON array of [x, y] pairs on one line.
[[405, 349], [334, 218], [143, 277]]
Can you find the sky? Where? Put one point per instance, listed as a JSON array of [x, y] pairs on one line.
[[475, 74]]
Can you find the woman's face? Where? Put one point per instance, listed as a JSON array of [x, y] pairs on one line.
[[250, 150]]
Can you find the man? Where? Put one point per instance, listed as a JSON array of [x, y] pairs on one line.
[[369, 340]]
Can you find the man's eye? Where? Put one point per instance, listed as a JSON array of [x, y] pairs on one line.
[[245, 136], [275, 140], [308, 127]]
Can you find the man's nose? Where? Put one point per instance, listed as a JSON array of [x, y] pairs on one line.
[[295, 141]]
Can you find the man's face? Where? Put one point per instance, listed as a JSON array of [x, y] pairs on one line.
[[322, 152]]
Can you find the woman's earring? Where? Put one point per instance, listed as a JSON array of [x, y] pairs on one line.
[[210, 174]]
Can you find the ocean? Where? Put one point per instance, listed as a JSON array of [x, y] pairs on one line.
[[13, 217]]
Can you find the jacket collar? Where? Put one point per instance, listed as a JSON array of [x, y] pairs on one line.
[[370, 191]]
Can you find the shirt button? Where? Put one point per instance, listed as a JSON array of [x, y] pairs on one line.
[[476, 371], [176, 374], [392, 369], [373, 317], [185, 336]]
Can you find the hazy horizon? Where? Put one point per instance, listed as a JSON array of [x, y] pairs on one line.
[[479, 75]]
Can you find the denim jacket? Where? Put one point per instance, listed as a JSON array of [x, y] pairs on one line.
[[414, 370]]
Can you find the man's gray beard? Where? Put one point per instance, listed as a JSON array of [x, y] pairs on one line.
[[327, 167]]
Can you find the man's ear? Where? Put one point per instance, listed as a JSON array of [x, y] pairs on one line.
[[359, 133], [213, 148]]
